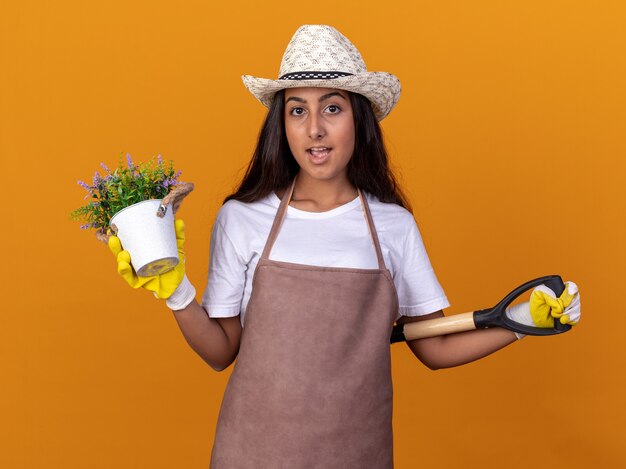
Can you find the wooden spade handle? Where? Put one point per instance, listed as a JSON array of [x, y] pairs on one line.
[[439, 326]]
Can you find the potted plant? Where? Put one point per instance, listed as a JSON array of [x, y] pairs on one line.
[[137, 202]]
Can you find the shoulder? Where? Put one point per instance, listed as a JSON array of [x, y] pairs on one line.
[[246, 224], [397, 230], [235, 213], [390, 218]]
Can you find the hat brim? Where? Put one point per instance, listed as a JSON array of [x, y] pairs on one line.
[[381, 88]]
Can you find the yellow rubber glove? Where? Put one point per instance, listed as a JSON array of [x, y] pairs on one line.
[[161, 285], [545, 306]]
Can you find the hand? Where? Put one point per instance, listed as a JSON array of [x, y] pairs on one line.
[[544, 306], [161, 285]]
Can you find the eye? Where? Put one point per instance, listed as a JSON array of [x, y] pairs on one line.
[[296, 111], [333, 109]]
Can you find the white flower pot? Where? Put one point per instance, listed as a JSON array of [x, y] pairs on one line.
[[150, 240]]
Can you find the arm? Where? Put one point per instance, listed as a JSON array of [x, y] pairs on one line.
[[456, 349], [215, 340]]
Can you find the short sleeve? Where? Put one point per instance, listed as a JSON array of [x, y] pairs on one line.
[[419, 291], [226, 280]]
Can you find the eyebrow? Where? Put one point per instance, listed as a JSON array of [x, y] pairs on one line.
[[322, 98]]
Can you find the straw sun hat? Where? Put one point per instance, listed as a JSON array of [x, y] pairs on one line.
[[320, 56]]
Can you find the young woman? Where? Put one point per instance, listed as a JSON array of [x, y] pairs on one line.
[[313, 259]]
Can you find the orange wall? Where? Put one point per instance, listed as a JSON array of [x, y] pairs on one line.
[[509, 138]]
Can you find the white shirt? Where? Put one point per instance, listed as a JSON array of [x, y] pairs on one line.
[[337, 238]]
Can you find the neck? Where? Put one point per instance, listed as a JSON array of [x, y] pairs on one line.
[[322, 195]]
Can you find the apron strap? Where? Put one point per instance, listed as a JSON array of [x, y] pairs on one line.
[[282, 211], [278, 220], [372, 228]]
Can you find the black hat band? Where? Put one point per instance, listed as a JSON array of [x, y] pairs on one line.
[[314, 75]]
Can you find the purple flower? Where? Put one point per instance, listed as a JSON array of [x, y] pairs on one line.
[[178, 173], [97, 179], [105, 167], [167, 183], [85, 186], [85, 227], [129, 160], [159, 160]]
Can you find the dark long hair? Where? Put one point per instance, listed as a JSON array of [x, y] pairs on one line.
[[273, 167]]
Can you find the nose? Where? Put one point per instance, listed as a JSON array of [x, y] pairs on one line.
[[316, 127]]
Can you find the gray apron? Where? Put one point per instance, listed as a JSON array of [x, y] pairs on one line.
[[311, 386]]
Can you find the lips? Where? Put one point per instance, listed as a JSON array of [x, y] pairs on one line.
[[319, 151], [319, 155]]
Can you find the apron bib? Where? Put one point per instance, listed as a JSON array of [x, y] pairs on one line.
[[311, 386]]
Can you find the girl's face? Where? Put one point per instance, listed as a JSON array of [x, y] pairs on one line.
[[320, 131]]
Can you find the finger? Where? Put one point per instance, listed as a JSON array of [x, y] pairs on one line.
[[546, 296], [545, 290], [540, 311], [130, 276], [126, 272], [567, 296], [544, 307], [179, 227], [123, 267], [575, 303], [565, 319], [570, 296], [123, 256], [573, 313], [123, 264], [115, 245], [572, 288], [555, 313]]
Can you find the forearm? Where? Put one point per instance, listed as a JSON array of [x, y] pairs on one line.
[[457, 349], [206, 336]]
